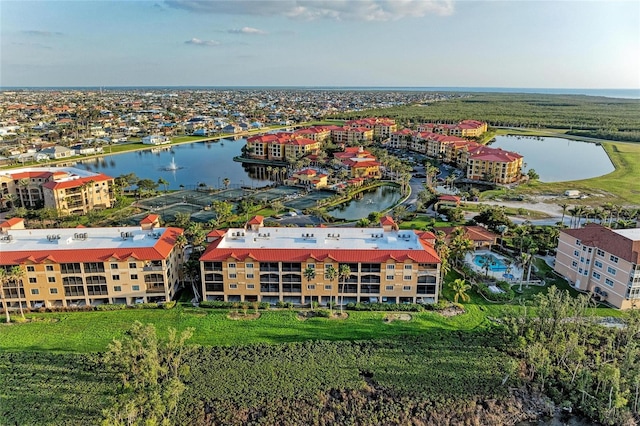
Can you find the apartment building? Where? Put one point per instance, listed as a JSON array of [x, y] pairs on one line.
[[66, 189], [281, 146], [492, 164], [90, 266], [351, 135], [382, 127], [258, 263], [602, 261], [464, 128]]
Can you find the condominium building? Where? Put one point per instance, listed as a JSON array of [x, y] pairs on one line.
[[267, 264], [465, 128], [382, 127], [492, 164], [66, 189], [602, 261], [90, 266], [281, 146], [361, 163]]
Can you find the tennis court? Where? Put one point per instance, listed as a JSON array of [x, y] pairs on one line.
[[276, 193], [309, 200]]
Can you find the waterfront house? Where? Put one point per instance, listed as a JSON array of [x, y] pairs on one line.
[[156, 140]]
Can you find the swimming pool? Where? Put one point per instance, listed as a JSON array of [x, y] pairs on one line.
[[495, 263]]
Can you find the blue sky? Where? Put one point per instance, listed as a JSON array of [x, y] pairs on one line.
[[538, 44]]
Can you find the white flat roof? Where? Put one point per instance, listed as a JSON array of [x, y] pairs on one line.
[[633, 234], [321, 238], [38, 240], [70, 170]]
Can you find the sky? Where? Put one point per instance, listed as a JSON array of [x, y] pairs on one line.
[[389, 43]]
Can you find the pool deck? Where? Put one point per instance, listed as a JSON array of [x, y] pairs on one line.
[[515, 271]]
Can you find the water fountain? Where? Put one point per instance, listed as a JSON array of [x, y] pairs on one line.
[[172, 166]]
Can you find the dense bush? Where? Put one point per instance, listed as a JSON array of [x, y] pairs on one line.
[[169, 305], [217, 304], [146, 306], [109, 307], [405, 307], [281, 304]]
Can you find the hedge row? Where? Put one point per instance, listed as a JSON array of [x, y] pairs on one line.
[[215, 304]]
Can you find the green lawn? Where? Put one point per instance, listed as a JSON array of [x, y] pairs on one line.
[[92, 331]]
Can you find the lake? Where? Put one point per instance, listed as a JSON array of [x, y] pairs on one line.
[[557, 159], [198, 162], [377, 199]]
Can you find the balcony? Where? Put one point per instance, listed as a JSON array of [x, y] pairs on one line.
[[152, 268], [155, 288]]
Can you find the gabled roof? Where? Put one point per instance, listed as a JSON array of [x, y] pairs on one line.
[[75, 183], [615, 242]]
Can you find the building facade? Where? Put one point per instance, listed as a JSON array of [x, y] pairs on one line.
[[90, 266], [268, 264], [66, 189], [602, 261]]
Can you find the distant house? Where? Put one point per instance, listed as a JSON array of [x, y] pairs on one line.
[[155, 140], [231, 128], [308, 177], [451, 201], [481, 237], [201, 132], [57, 152]]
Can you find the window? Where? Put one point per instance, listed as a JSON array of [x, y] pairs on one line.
[[576, 253], [231, 266], [613, 258], [70, 268], [611, 270], [134, 276], [251, 286], [51, 279], [53, 291], [49, 268], [389, 277], [114, 266], [388, 288], [135, 287], [115, 277], [600, 252], [596, 275], [584, 248], [406, 277], [578, 243], [574, 263], [580, 270], [406, 288], [132, 265], [608, 282], [311, 287], [31, 268], [249, 276], [233, 286], [93, 267], [35, 291], [327, 287], [311, 265], [582, 260], [407, 267], [232, 276], [32, 280], [117, 288], [598, 264], [248, 265], [391, 266], [585, 272]]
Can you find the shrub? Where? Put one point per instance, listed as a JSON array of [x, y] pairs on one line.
[[146, 306], [169, 305], [110, 307], [323, 313], [508, 294], [439, 306], [404, 307]]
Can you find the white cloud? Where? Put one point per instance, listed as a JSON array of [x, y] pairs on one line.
[[197, 42], [247, 30], [361, 10]]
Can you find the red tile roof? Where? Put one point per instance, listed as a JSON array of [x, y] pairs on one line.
[[11, 222], [150, 218], [74, 183], [256, 220], [594, 235], [387, 220], [474, 233]]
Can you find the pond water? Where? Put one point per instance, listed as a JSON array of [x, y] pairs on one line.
[[377, 199], [198, 162], [557, 159]]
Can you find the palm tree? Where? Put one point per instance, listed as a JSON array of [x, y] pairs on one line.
[[310, 274], [16, 274], [164, 183], [460, 287], [226, 182], [24, 187], [344, 273], [330, 274], [4, 278], [522, 262], [563, 206], [269, 170], [486, 262]]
